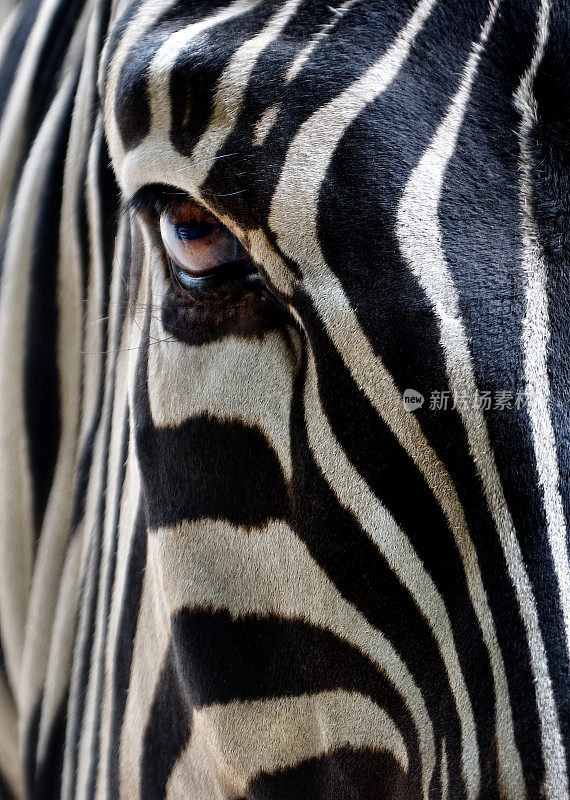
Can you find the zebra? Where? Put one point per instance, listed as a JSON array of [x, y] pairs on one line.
[[284, 385]]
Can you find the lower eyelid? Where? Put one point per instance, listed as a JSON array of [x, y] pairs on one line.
[[213, 281], [186, 280]]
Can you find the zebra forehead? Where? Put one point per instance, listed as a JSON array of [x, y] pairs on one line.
[[217, 80]]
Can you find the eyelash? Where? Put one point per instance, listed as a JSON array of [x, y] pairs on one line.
[[152, 200]]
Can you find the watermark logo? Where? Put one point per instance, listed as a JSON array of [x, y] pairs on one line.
[[462, 401], [413, 400]]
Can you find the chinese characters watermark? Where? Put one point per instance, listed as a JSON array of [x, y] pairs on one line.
[[486, 400]]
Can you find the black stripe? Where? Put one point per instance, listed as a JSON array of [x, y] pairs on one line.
[[344, 774], [123, 646], [480, 219], [85, 635], [94, 564], [86, 454], [109, 199], [551, 185], [41, 374], [204, 467], [116, 33], [50, 60], [170, 712], [83, 463], [49, 768], [5, 791], [46, 79], [214, 658], [336, 63], [110, 204], [30, 747], [193, 82]]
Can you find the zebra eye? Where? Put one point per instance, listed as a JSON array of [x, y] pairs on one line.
[[198, 246]]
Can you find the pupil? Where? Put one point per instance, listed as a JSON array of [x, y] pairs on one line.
[[188, 231]]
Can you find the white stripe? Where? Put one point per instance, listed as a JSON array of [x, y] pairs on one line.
[[420, 241], [232, 379], [8, 28], [268, 570], [152, 629], [95, 308], [231, 744], [69, 334], [96, 485], [52, 544], [264, 124], [152, 637], [82, 633], [126, 358], [312, 149], [444, 772], [127, 523], [10, 761], [7, 13], [61, 643], [230, 92], [535, 339]]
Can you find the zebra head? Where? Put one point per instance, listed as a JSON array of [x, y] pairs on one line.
[[321, 492], [392, 584]]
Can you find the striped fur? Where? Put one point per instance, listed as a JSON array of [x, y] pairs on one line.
[[232, 563]]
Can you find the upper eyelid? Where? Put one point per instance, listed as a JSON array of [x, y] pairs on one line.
[[153, 198]]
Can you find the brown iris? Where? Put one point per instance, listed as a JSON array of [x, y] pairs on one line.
[[197, 243]]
